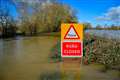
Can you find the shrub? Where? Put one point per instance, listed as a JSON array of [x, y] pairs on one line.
[[55, 54], [108, 52]]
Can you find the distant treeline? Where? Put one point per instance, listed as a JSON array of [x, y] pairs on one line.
[[112, 27], [99, 27]]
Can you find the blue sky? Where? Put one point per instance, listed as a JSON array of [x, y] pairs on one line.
[[6, 4], [87, 10]]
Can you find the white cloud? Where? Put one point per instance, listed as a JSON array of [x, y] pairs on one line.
[[113, 14]]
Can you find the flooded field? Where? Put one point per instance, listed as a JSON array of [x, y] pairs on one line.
[[26, 58], [111, 34]]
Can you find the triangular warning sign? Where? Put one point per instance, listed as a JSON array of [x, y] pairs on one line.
[[71, 33]]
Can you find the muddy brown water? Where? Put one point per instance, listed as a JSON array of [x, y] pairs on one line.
[[27, 58]]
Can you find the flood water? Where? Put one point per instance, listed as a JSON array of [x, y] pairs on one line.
[[25, 58], [111, 34]]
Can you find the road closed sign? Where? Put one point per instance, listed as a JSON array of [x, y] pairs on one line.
[[71, 40]]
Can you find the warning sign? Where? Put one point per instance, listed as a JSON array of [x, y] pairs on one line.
[[71, 40], [71, 33]]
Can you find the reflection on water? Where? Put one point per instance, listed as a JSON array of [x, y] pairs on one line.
[[21, 59]]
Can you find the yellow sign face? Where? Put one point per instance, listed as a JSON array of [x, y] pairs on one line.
[[71, 32], [71, 40]]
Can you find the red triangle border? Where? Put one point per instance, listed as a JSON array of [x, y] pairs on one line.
[[71, 26]]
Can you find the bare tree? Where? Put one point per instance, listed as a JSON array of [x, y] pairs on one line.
[[7, 23]]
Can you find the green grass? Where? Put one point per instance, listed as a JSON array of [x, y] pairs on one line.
[[56, 52]]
